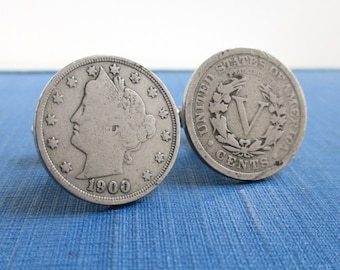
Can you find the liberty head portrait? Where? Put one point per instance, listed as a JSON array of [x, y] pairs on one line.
[[109, 124]]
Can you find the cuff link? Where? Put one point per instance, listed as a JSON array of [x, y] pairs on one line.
[[107, 129], [244, 113]]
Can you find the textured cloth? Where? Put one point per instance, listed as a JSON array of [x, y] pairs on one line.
[[195, 219]]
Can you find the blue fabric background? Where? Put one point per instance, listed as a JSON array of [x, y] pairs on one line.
[[196, 219]]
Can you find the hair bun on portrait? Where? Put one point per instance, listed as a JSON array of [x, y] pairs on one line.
[[147, 128]]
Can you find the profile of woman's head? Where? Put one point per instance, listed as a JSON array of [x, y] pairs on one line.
[[110, 123]]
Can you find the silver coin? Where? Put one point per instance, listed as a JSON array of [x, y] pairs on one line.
[[107, 129], [244, 112]]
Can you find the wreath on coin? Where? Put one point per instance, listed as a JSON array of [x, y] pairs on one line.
[[245, 147]]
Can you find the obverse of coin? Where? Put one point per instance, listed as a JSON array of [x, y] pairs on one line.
[[107, 129], [244, 113]]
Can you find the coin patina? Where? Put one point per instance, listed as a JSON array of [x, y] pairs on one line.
[[244, 113], [107, 129]]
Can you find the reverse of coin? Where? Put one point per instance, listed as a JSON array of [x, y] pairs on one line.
[[244, 113], [107, 129]]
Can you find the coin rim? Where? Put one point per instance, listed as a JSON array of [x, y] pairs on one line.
[[52, 168], [188, 119]]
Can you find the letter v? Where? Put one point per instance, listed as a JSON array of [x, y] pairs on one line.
[[240, 101]]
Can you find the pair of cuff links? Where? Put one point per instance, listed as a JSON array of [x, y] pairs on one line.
[[108, 130]]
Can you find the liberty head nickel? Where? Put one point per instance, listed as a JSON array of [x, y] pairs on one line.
[[107, 129], [244, 113]]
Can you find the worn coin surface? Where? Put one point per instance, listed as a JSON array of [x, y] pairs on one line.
[[244, 113], [107, 129]]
